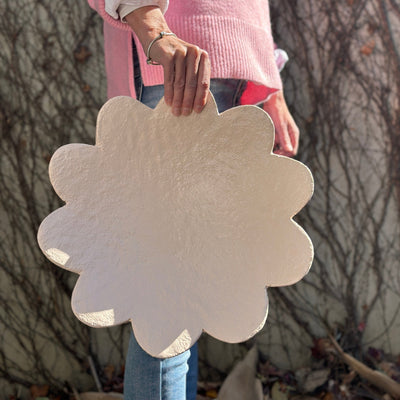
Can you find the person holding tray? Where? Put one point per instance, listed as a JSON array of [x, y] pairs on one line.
[[182, 50]]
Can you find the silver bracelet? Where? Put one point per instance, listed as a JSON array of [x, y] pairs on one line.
[[160, 36]]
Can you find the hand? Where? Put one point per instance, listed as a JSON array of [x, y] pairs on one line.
[[186, 74], [286, 131], [186, 66]]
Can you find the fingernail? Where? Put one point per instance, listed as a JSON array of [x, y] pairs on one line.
[[198, 109], [186, 111]]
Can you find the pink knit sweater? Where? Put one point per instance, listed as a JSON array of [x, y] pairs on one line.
[[235, 33]]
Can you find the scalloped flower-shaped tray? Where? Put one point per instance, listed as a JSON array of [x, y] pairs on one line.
[[177, 224]]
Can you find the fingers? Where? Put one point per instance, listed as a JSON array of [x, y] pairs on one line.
[[282, 140], [286, 149], [186, 75], [286, 131], [179, 81], [283, 144], [203, 83], [169, 70], [192, 82], [294, 134], [197, 82], [192, 69], [289, 138], [174, 66]]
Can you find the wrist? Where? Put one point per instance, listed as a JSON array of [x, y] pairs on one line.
[[147, 23], [159, 37], [274, 98]]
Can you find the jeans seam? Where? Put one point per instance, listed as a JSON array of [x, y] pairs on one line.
[[160, 389]]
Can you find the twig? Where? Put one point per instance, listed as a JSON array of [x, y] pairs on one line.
[[75, 392], [382, 381], [94, 373]]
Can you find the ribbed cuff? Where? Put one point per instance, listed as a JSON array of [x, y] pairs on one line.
[[237, 50]]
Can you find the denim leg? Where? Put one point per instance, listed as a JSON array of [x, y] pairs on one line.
[[226, 93], [151, 95], [150, 378], [146, 377], [191, 378], [173, 375]]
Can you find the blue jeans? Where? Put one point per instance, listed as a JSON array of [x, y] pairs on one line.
[[146, 377], [226, 92]]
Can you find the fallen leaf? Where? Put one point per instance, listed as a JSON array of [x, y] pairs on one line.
[[328, 396], [279, 391], [348, 378], [39, 391], [241, 383], [389, 368], [267, 369], [212, 393], [109, 372], [315, 379], [322, 348], [375, 353], [205, 385], [344, 391]]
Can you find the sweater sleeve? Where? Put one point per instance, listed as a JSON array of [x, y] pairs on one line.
[[108, 9], [121, 8]]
